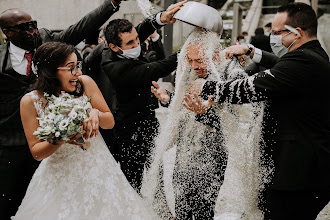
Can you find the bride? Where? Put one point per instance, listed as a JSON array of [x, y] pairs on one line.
[[71, 183]]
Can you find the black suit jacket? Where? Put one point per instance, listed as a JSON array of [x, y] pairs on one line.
[[297, 118], [13, 85], [262, 42], [132, 79]]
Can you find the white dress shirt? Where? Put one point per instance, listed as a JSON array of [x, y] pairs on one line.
[[17, 58], [257, 55]]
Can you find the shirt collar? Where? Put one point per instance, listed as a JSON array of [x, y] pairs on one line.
[[17, 52]]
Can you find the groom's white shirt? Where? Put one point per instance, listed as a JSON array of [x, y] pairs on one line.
[[18, 61]]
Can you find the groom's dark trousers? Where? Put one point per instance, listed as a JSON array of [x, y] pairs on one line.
[[196, 185]]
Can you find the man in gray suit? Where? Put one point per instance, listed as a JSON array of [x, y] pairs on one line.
[[23, 37]]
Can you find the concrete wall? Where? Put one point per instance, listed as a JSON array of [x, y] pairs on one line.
[[60, 14], [54, 15], [323, 32]]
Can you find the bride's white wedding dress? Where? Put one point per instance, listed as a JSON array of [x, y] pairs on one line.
[[81, 185]]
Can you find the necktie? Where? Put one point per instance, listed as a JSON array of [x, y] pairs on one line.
[[28, 56]]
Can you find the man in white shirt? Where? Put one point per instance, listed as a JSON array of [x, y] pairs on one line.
[[23, 37]]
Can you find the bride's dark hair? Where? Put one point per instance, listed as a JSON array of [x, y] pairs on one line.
[[46, 60]]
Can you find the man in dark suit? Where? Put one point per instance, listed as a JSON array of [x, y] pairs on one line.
[[131, 76], [197, 185], [23, 37], [260, 40], [296, 129]]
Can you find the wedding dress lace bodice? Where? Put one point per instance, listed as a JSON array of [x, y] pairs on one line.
[[77, 184]]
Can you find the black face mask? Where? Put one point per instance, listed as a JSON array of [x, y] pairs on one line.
[[29, 41]]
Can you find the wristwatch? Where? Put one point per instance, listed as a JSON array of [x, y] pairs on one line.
[[251, 47]]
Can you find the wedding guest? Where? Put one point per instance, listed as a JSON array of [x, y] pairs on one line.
[[71, 183], [153, 48], [261, 41], [239, 40], [23, 37], [246, 37], [296, 121], [131, 76], [268, 27], [92, 67]]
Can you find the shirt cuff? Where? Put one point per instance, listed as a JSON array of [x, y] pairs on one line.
[[113, 4], [156, 38], [257, 55], [158, 19]]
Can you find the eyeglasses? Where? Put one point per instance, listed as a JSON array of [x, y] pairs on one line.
[[278, 32], [73, 69], [26, 26]]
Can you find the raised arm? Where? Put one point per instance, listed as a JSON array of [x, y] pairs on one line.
[[86, 26], [142, 74], [100, 115], [149, 25]]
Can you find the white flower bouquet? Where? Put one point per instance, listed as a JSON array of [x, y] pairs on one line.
[[62, 117]]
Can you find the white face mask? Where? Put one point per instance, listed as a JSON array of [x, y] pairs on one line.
[[133, 53], [276, 44], [81, 45]]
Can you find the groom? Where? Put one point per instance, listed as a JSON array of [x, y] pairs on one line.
[[23, 37], [197, 186]]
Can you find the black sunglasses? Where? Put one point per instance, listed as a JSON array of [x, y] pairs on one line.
[[26, 26]]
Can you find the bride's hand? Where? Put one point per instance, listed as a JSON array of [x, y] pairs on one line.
[[91, 127]]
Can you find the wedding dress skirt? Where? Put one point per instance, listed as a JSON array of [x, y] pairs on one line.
[[81, 185]]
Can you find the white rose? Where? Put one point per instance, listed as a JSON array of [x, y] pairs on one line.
[[51, 116], [63, 124], [73, 114], [48, 129], [57, 134]]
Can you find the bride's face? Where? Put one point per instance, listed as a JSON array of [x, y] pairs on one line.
[[68, 73]]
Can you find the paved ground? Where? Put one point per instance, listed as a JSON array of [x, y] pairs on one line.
[[325, 214]]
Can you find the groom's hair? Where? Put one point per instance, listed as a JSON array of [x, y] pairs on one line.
[[115, 27]]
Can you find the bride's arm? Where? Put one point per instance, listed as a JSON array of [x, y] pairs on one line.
[[39, 149], [100, 115]]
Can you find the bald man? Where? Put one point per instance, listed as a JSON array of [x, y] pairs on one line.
[[23, 37]]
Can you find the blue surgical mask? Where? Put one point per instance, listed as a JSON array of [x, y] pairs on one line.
[[133, 53]]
